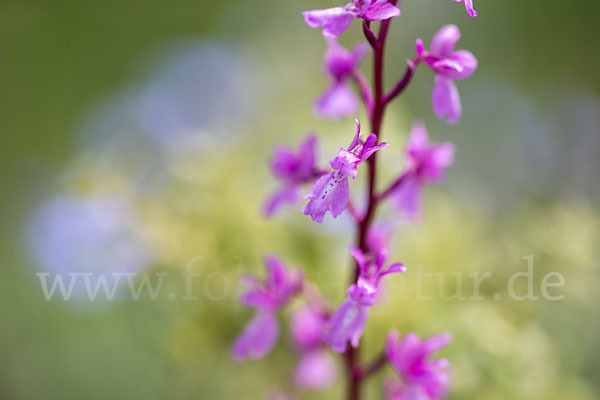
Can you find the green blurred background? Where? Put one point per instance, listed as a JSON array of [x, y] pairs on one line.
[[84, 114]]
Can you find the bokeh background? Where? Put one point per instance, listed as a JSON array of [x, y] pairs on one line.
[[135, 138]]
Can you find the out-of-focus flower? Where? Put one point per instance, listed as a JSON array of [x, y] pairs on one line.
[[293, 170], [257, 338], [267, 296], [420, 377], [448, 66], [337, 19], [348, 322], [341, 64], [331, 192], [315, 368], [425, 164], [96, 235], [468, 6]]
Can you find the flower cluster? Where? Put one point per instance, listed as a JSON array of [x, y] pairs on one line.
[[315, 327]]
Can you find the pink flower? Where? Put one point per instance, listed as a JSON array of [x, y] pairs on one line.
[[293, 170], [425, 164], [420, 378], [448, 66], [331, 192], [469, 7], [315, 368], [268, 296], [348, 322], [257, 338], [337, 19], [341, 65]]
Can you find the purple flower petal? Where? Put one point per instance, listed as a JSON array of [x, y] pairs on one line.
[[444, 41], [257, 339], [408, 198], [307, 328], [346, 324], [287, 195], [467, 64], [337, 101], [315, 370], [331, 193], [439, 157], [333, 20], [380, 10], [446, 100], [469, 7]]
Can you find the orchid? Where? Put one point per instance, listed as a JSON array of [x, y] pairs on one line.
[[339, 99], [337, 19], [293, 170], [448, 66], [315, 327], [420, 377], [425, 164], [331, 192], [267, 296], [348, 322]]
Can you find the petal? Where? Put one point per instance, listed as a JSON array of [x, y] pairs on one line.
[[287, 195], [337, 101], [358, 53], [439, 158], [469, 7], [346, 324], [331, 193], [356, 138], [257, 339], [445, 99], [276, 273], [307, 328], [369, 147], [434, 343], [380, 10], [315, 370], [395, 268], [444, 40], [359, 257], [419, 47], [467, 62], [417, 144], [408, 198], [333, 20], [307, 153]]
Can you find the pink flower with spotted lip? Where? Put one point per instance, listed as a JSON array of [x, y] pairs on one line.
[[425, 164], [337, 19], [420, 377], [331, 192], [468, 7], [448, 66], [339, 99], [268, 296], [293, 170], [348, 322]]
